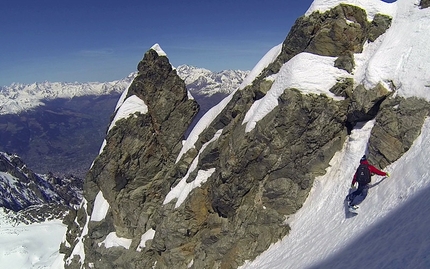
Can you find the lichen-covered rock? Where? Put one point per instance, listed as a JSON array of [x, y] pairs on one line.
[[398, 124], [365, 103], [345, 62]]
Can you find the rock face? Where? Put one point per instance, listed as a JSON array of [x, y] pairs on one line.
[[240, 184], [338, 32]]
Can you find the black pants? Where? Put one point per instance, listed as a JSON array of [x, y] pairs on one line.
[[361, 191]]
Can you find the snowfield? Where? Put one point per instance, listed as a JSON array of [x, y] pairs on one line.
[[31, 246]]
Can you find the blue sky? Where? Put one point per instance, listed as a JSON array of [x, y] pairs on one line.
[[71, 41]]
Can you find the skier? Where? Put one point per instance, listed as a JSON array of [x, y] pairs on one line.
[[362, 177]]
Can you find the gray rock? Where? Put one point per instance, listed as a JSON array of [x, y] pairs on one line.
[[397, 126], [425, 3]]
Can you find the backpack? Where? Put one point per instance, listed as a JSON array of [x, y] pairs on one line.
[[363, 174]]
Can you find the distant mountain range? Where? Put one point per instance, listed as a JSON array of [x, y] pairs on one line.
[[59, 126], [205, 82], [21, 97]]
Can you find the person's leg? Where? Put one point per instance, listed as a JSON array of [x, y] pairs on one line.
[[355, 194], [364, 191]]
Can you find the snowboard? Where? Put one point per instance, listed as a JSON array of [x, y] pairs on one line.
[[353, 211], [349, 211]]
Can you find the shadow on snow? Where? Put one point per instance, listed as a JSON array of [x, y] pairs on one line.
[[399, 241]]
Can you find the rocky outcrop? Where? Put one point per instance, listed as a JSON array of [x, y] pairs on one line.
[[338, 32], [398, 124], [134, 171], [425, 3], [226, 198]]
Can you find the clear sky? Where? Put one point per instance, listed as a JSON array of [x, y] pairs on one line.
[[83, 41]]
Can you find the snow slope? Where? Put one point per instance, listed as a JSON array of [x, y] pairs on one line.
[[391, 230], [31, 246]]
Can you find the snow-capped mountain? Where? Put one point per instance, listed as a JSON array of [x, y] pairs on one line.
[[58, 127], [32, 208], [205, 82], [21, 97]]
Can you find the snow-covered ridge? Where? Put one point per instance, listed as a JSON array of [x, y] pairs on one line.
[[372, 7]]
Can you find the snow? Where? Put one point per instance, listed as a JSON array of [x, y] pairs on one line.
[[31, 246], [100, 209], [182, 189], [372, 7], [159, 50], [402, 56], [398, 56], [79, 249], [321, 232], [131, 105], [20, 97], [212, 113], [302, 72], [112, 240], [122, 98], [148, 235]]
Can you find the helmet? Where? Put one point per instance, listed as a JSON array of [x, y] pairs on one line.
[[363, 158]]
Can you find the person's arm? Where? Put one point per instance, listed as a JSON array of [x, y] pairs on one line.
[[354, 180], [375, 170]]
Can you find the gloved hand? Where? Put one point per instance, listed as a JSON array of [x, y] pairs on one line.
[[352, 186], [387, 175]]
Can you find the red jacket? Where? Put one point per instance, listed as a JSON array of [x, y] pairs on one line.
[[373, 170]]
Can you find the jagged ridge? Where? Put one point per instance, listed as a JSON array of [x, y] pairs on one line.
[[22, 189]]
